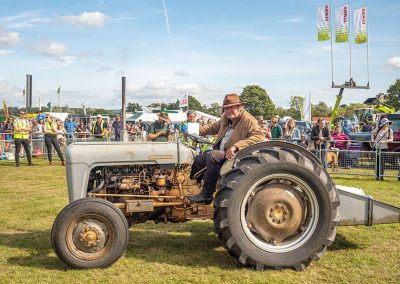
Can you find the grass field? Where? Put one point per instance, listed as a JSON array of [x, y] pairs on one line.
[[31, 197]]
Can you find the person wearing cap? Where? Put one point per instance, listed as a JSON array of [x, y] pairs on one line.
[[21, 136], [50, 139], [70, 127], [159, 130], [99, 128], [236, 130], [381, 136]]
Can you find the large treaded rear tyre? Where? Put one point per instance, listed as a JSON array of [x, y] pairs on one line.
[[90, 233], [276, 209]]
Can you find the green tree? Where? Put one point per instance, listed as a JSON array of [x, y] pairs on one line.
[[194, 104], [321, 109], [133, 107], [278, 111], [214, 109], [257, 101], [155, 105], [296, 105], [393, 95]]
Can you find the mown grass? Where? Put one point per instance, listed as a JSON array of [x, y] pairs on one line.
[[31, 197]]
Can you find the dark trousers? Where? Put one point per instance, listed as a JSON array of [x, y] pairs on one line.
[[25, 143], [382, 157], [213, 160], [51, 139]]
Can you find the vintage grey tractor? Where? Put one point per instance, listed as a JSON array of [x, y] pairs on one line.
[[275, 207]]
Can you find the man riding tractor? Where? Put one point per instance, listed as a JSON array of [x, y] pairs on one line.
[[236, 130]]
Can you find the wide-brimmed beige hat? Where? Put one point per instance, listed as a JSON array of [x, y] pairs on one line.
[[232, 100], [164, 116]]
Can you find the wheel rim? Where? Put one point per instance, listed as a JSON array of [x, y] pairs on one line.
[[269, 235], [90, 237]]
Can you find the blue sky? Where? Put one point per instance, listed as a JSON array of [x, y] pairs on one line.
[[215, 47]]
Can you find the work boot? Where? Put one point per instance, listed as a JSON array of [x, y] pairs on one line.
[[203, 198], [50, 163], [62, 163]]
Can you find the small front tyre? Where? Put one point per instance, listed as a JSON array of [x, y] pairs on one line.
[[90, 233]]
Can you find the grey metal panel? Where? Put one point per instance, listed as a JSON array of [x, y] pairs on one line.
[[83, 157], [385, 213], [357, 208], [77, 180], [353, 208]]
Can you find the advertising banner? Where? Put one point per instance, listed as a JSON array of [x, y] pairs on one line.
[[323, 22], [360, 25], [342, 24]]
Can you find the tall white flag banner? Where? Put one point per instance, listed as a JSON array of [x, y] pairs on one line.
[[323, 22], [307, 108], [342, 24], [360, 25], [184, 101]]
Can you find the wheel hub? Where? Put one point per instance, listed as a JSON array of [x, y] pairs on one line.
[[278, 213], [275, 212], [89, 236]]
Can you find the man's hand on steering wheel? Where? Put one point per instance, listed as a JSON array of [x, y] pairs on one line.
[[231, 152]]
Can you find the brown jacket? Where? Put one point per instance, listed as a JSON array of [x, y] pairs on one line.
[[246, 131]]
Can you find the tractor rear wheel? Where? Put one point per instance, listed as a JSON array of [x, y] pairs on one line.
[[277, 208], [90, 233]]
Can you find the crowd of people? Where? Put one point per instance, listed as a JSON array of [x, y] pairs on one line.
[[56, 133]]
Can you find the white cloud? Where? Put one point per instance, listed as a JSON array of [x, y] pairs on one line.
[[181, 73], [292, 20], [25, 19], [393, 63], [95, 19], [163, 91], [55, 50], [51, 49], [11, 93], [4, 52], [104, 69], [7, 38]]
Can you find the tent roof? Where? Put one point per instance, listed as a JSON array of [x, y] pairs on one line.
[[59, 115], [151, 117]]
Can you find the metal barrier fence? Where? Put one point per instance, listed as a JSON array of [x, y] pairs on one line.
[[355, 159], [351, 158]]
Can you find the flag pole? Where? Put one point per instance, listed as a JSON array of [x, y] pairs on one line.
[[330, 21], [366, 12], [349, 36]]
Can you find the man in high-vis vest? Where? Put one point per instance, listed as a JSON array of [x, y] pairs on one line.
[[21, 136], [99, 128], [50, 138]]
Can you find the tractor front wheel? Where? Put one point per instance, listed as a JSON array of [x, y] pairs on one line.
[[90, 233]]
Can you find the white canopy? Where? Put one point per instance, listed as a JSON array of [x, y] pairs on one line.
[[151, 117], [58, 115], [175, 117]]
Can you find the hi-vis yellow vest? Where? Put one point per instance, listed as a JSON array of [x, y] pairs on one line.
[[49, 127], [21, 134]]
